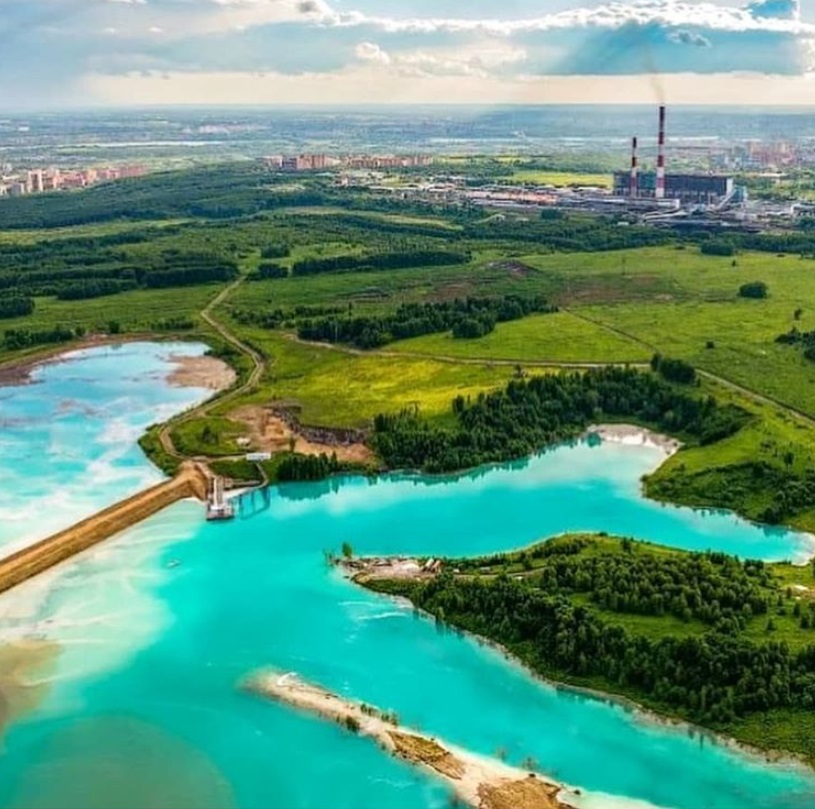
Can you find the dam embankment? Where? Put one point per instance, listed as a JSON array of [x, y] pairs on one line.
[[190, 481]]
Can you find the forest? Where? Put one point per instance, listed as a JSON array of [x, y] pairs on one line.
[[467, 318], [73, 269], [380, 261], [530, 414], [541, 614]]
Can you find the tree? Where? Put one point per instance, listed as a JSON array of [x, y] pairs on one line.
[[347, 550], [755, 289]]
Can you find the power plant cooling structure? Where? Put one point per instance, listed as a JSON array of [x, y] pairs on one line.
[[660, 187], [633, 188]]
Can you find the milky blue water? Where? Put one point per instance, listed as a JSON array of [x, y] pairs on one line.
[[158, 627], [68, 437]]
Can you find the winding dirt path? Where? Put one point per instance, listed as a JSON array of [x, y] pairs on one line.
[[258, 367]]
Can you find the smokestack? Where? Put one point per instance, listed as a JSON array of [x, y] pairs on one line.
[[660, 188], [633, 189]]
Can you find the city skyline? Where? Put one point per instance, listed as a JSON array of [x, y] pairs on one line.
[[143, 52]]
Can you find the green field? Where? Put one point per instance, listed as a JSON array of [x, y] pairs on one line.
[[560, 337], [336, 389], [560, 178]]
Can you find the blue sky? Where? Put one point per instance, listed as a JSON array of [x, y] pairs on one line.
[[78, 52]]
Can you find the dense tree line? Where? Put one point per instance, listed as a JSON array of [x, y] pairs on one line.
[[275, 251], [718, 247], [189, 269], [465, 317], [286, 318], [15, 306], [72, 269], [379, 261], [269, 270], [307, 467], [673, 370], [570, 234], [530, 414], [15, 339], [96, 288], [714, 678]]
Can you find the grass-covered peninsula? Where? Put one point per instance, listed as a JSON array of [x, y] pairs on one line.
[[725, 643]]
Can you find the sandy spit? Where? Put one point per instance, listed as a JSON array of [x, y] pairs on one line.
[[478, 781]]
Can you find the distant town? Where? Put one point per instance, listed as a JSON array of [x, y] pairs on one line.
[[317, 162], [20, 182]]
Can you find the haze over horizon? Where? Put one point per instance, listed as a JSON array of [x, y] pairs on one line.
[[148, 52]]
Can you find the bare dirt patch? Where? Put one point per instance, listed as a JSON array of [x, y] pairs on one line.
[[426, 751], [451, 292], [273, 431], [515, 269], [529, 793]]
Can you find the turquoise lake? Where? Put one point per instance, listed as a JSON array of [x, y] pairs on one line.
[[157, 627], [68, 437]]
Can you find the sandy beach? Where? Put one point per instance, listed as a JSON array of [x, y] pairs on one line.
[[201, 372], [478, 781], [632, 435]]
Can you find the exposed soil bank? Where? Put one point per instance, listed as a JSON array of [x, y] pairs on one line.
[[275, 430], [478, 781]]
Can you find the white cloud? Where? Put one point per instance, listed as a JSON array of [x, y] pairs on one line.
[[477, 60], [668, 13], [370, 52]]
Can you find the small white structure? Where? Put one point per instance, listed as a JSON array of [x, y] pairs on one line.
[[259, 457]]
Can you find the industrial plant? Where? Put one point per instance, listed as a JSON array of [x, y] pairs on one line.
[[691, 189]]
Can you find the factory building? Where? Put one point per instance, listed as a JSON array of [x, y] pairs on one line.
[[689, 189], [685, 189]]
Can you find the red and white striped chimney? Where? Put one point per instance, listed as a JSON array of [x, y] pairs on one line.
[[660, 187], [633, 188]]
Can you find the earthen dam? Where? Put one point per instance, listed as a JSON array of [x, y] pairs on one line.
[[191, 481]]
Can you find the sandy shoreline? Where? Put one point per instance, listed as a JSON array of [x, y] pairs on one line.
[[479, 781], [361, 571], [632, 435], [201, 372]]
